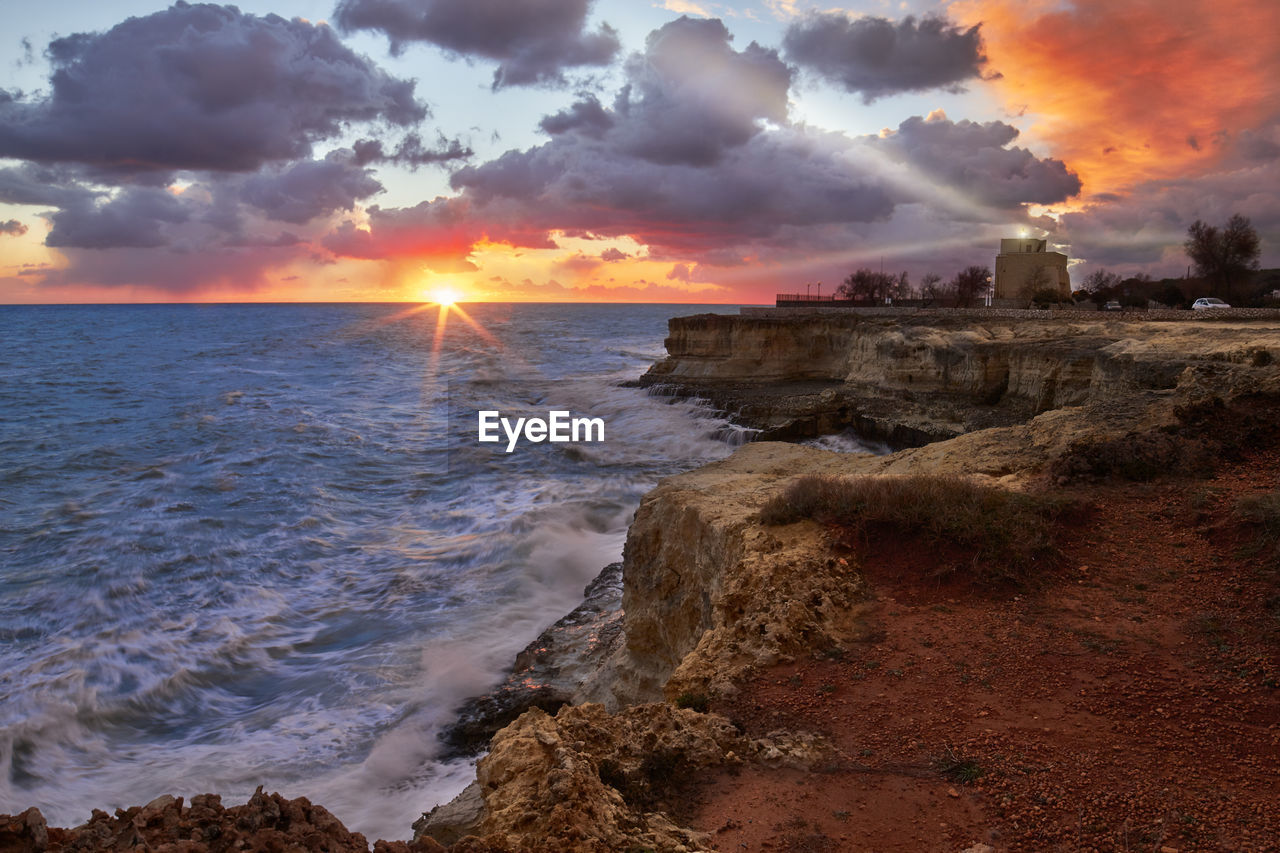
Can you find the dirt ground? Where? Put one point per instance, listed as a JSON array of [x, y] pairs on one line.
[[1129, 702]]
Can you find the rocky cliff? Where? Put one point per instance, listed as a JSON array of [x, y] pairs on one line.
[[926, 376], [711, 596]]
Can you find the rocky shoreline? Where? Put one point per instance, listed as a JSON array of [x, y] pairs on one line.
[[598, 738], [711, 597], [550, 670]]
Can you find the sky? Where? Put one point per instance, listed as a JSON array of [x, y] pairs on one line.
[[616, 150]]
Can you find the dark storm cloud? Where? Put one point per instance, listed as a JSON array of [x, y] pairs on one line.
[[877, 57], [283, 240], [306, 190], [752, 193], [200, 87], [13, 228], [135, 218], [533, 40], [41, 185], [214, 210], [696, 158], [975, 158], [174, 272]]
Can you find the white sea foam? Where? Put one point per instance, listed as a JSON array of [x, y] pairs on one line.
[[239, 556]]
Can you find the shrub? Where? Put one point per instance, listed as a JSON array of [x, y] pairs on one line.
[[1009, 532], [1046, 296], [1262, 513], [1203, 434], [1262, 510], [694, 701], [1138, 456], [956, 767], [660, 779]]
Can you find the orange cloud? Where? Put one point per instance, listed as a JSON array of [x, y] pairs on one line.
[[1134, 91]]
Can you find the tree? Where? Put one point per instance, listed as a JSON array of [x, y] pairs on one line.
[[867, 285], [970, 283], [1224, 257], [902, 287], [1170, 294], [1101, 286], [1100, 280], [932, 288]]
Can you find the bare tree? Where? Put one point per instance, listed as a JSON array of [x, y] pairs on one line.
[[868, 285], [1224, 257], [902, 287], [970, 283], [932, 288], [1100, 280]]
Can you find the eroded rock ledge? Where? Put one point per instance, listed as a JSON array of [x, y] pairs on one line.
[[928, 376]]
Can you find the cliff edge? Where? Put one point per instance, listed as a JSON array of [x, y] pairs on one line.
[[712, 598], [925, 376]]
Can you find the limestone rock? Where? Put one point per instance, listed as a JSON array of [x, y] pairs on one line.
[[450, 822], [587, 780], [925, 376]]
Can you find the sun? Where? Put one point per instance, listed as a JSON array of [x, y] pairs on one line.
[[443, 296]]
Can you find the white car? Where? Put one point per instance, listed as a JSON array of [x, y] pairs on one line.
[[1204, 303]]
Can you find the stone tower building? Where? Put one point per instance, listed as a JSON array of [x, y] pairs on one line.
[[1025, 265]]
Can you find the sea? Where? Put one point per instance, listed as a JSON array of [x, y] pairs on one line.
[[248, 545]]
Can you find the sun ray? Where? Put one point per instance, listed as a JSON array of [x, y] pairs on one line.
[[479, 329]]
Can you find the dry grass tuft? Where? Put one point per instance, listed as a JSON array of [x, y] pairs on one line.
[[1010, 533], [1262, 513]]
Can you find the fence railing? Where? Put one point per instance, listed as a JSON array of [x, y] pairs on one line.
[[807, 299]]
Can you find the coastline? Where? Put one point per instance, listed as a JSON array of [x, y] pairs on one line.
[[709, 595], [611, 712]]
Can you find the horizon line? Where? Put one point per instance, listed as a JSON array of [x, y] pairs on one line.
[[369, 302]]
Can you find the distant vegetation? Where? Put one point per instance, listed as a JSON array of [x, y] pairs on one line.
[[1101, 286], [1224, 258], [871, 286], [1225, 261], [964, 289]]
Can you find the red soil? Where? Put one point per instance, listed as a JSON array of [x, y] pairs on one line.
[[1129, 703]]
